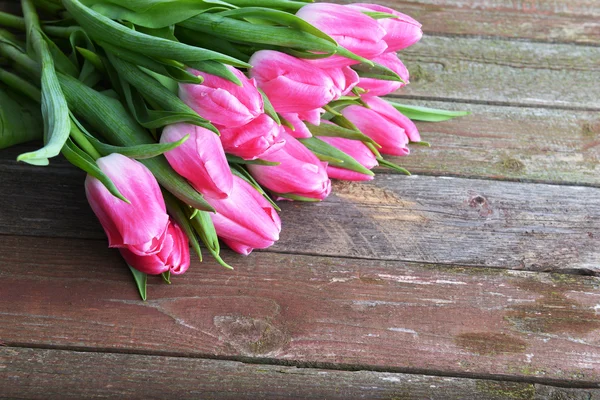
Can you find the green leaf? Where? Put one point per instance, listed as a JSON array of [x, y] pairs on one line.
[[379, 15], [166, 277], [269, 109], [321, 148], [280, 18], [391, 165], [175, 208], [154, 14], [140, 281], [285, 5], [55, 112], [241, 172], [245, 32], [205, 228], [377, 71], [333, 130], [139, 152], [174, 109], [92, 67], [211, 42], [427, 114], [238, 160], [82, 160], [174, 72], [296, 197], [215, 68], [100, 27], [20, 119], [110, 119]]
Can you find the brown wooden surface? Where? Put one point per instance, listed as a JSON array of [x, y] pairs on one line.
[[307, 310], [432, 286], [83, 375], [570, 21]]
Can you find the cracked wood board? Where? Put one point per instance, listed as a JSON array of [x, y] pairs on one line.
[[530, 144], [420, 218], [571, 21], [500, 71], [57, 374], [317, 311]]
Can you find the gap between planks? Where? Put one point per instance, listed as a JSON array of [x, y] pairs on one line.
[[311, 366], [308, 311], [50, 374]]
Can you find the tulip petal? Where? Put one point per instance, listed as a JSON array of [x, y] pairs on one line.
[[138, 224]]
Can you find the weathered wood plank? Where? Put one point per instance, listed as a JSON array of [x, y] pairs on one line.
[[574, 21], [511, 72], [532, 144], [307, 310], [422, 219], [510, 143], [59, 374]]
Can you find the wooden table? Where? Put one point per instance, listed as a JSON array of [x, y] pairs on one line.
[[475, 278]]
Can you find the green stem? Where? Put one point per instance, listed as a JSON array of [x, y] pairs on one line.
[[15, 22], [21, 85], [20, 58], [83, 142]]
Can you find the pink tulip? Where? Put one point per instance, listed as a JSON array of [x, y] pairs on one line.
[[245, 220], [380, 87], [139, 227], [297, 120], [200, 159], [221, 101], [344, 79], [299, 173], [300, 130], [402, 32], [357, 150], [350, 28], [384, 124], [292, 84], [174, 255], [256, 139]]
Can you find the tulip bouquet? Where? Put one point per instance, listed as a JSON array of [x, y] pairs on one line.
[[192, 117]]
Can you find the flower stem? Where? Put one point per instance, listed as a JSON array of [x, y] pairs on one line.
[[83, 142], [21, 85], [15, 22]]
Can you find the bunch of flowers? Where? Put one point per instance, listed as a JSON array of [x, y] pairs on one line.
[[192, 118]]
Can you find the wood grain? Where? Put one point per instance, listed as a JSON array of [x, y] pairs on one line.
[[422, 219], [530, 144], [308, 311], [55, 374], [572, 21], [500, 71]]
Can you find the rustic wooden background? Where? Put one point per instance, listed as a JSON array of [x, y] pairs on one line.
[[475, 278]]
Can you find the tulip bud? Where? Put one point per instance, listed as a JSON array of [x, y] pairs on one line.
[[174, 255], [300, 172], [402, 32], [380, 87], [344, 79], [292, 85], [357, 150], [245, 220], [200, 159], [221, 101], [254, 140], [384, 124], [350, 28], [139, 227]]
